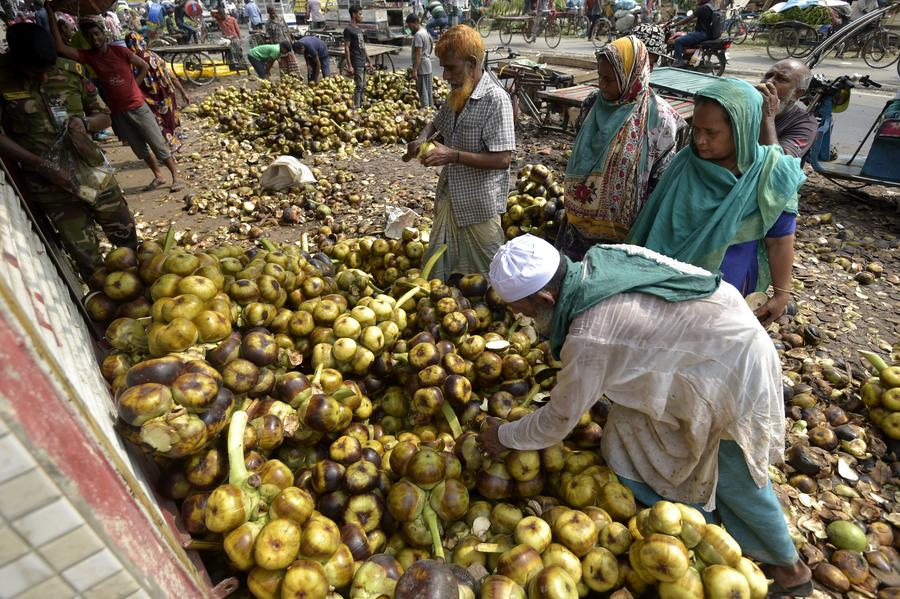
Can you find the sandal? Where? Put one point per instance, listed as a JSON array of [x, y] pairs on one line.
[[177, 186], [153, 184], [776, 591]]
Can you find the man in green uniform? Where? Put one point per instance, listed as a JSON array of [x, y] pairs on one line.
[[41, 95]]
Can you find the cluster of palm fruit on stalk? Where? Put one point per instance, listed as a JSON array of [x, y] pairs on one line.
[[292, 119], [536, 204], [881, 394], [352, 412]]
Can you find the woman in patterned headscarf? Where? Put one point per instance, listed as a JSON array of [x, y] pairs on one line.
[[159, 88], [626, 141]]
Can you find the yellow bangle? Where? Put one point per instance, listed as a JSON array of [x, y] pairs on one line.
[[788, 291]]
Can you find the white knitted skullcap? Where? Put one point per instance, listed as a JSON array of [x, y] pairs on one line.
[[522, 267]]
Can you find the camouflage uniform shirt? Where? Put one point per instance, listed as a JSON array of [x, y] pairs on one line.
[[33, 114]]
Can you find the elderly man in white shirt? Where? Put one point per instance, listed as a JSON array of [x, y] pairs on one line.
[[694, 380]]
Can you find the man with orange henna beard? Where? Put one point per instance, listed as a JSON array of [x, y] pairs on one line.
[[472, 136]]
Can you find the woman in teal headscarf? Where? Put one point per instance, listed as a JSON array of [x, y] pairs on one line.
[[628, 138], [725, 193]]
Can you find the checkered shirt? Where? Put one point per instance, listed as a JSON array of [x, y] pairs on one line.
[[484, 125]]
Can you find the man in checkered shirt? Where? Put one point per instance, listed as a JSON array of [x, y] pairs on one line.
[[478, 138]]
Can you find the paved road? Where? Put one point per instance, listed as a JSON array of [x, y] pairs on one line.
[[750, 62]]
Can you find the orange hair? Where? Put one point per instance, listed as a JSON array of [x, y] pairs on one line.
[[461, 41]]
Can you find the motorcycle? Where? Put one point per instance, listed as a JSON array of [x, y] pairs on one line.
[[709, 57], [879, 167]]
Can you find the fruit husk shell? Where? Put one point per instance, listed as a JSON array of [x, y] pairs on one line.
[[832, 577]]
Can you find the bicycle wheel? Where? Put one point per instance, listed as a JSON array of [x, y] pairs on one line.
[[484, 26], [552, 34], [174, 59], [579, 25], [601, 32], [882, 49], [781, 42], [528, 33], [505, 33], [714, 64], [199, 68], [805, 40], [737, 31]]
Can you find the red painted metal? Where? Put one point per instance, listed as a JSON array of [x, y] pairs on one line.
[[41, 412]]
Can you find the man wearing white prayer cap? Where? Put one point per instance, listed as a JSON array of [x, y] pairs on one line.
[[694, 381]]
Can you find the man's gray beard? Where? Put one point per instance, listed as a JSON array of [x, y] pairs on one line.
[[785, 105]]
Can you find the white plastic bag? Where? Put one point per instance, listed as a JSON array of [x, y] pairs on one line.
[[286, 172], [397, 219]]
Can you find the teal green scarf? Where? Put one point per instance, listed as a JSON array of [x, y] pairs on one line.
[[698, 209], [610, 269]]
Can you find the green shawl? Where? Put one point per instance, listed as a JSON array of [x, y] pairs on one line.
[[610, 269], [698, 209]]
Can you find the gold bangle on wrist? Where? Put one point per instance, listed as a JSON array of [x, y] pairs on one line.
[[783, 290]]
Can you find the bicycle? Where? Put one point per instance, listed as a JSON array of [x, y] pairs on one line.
[[522, 82], [547, 25], [882, 48], [736, 27], [511, 86], [574, 21]]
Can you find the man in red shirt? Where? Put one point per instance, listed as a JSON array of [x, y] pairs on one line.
[[130, 112]]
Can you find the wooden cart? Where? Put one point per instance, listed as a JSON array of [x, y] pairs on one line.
[[509, 25], [379, 54], [676, 86], [569, 100], [195, 62]]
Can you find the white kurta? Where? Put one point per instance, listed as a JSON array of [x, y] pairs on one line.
[[681, 376]]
